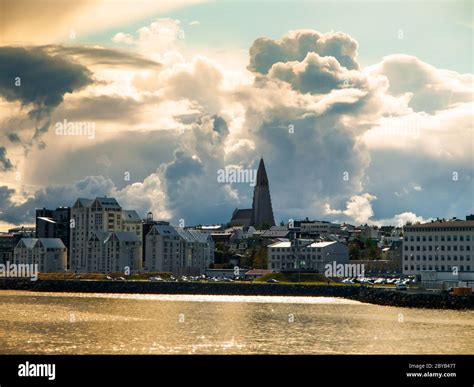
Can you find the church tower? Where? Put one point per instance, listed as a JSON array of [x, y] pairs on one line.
[[262, 213]]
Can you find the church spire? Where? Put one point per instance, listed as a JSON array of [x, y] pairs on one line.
[[262, 212]]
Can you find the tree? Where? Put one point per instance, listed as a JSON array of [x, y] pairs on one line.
[[260, 260]]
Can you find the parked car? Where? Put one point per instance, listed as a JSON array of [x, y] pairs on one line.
[[401, 287], [272, 281]]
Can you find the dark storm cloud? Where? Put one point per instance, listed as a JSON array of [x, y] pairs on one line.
[[5, 163], [103, 56], [34, 77], [44, 78], [295, 45]]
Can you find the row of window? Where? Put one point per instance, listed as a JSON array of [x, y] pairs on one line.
[[286, 250], [278, 257], [411, 257], [438, 248], [437, 267], [442, 238]]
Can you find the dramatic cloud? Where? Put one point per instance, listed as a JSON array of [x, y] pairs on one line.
[[33, 77], [295, 45], [50, 21], [340, 142], [430, 88]]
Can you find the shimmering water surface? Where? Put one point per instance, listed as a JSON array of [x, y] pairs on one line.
[[76, 323]]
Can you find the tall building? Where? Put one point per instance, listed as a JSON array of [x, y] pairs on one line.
[[54, 224], [102, 220], [441, 246], [261, 213]]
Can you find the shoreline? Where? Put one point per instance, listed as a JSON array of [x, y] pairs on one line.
[[377, 296]]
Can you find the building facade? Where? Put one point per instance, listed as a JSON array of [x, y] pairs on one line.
[[442, 246], [99, 219], [50, 254], [178, 250], [114, 252], [302, 254]]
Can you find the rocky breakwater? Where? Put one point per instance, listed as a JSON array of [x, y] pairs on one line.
[[378, 296]]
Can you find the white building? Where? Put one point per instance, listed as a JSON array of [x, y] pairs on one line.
[[318, 228], [104, 215], [176, 250], [306, 255], [198, 250], [114, 252], [444, 246], [49, 254]]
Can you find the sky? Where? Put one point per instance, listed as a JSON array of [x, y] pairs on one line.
[[362, 111]]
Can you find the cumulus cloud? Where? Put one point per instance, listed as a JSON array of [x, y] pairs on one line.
[[156, 38], [430, 89], [310, 111], [316, 74], [358, 208], [295, 45]]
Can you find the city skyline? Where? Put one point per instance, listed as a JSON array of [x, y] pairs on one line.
[[148, 106]]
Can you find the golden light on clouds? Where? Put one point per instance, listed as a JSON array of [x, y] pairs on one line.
[[52, 21]]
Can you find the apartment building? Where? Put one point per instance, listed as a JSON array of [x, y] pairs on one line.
[[444, 246], [114, 252], [178, 250], [50, 254], [103, 215]]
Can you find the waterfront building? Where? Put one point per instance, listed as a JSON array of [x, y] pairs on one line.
[[49, 253], [89, 216], [114, 252], [178, 250], [441, 246], [304, 254]]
